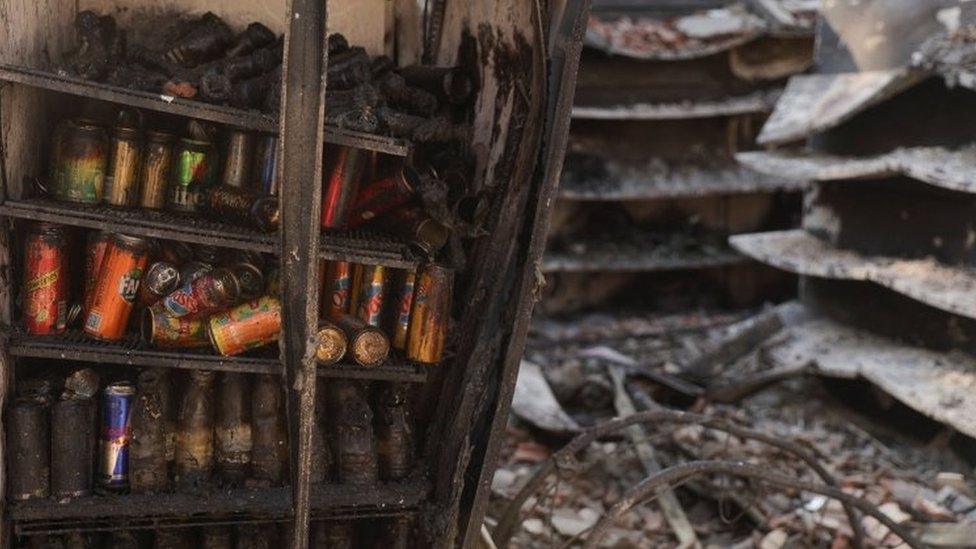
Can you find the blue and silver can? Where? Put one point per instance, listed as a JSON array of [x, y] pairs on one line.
[[115, 435], [266, 165]]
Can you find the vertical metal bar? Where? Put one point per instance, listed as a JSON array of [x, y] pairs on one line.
[[302, 126]]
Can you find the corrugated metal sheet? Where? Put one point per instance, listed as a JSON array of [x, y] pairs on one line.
[[941, 286]]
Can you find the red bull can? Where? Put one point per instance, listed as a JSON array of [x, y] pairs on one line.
[[115, 435]]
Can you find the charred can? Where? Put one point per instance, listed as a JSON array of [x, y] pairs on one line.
[[237, 160], [379, 197], [156, 166], [367, 345], [193, 270], [192, 175], [115, 435], [163, 331], [356, 461], [261, 212], [342, 186], [267, 431], [336, 287], [27, 450], [117, 287], [194, 439], [232, 429], [122, 184], [147, 453], [430, 314], [273, 287], [94, 253], [161, 279], [332, 344], [370, 292], [79, 162], [266, 165], [45, 279], [211, 292], [424, 233], [72, 447], [403, 304], [245, 327], [394, 432], [177, 253], [250, 280]]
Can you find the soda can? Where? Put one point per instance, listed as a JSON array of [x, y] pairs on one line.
[[147, 454], [177, 253], [28, 450], [156, 166], [430, 314], [424, 233], [46, 281], [250, 280], [115, 435], [232, 429], [370, 292], [332, 344], [266, 165], [195, 439], [402, 304], [381, 196], [336, 286], [163, 331], [356, 459], [117, 287], [367, 345], [211, 292], [261, 212], [237, 160], [73, 447], [394, 431], [192, 176], [94, 252], [79, 162], [122, 186], [161, 279], [245, 327], [342, 186], [194, 270]]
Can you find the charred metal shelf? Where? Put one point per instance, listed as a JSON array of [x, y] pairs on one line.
[[395, 369], [75, 345], [608, 256], [357, 246], [247, 119]]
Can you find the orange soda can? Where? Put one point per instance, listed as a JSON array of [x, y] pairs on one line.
[[45, 279], [116, 287], [336, 286], [94, 252], [163, 331], [245, 327], [430, 314], [370, 292]]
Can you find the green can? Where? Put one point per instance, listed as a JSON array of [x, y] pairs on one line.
[[194, 173], [79, 161]]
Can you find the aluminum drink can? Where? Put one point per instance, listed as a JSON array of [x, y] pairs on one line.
[[237, 160], [28, 450], [250, 280], [403, 303], [192, 175], [194, 270], [177, 253], [424, 233], [156, 166], [161, 279], [122, 184], [45, 279], [80, 162], [266, 165], [115, 435], [342, 186], [370, 293], [247, 326], [117, 287], [430, 314], [261, 212], [94, 252], [211, 292], [383, 195], [72, 447], [163, 331], [336, 285], [366, 345]]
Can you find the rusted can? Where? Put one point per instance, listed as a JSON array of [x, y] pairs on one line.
[[28, 450], [336, 288], [192, 175], [266, 165], [431, 314], [369, 291], [367, 345], [356, 461], [232, 429], [161, 279], [250, 280], [394, 431], [381, 196], [122, 186], [261, 212], [402, 304], [73, 447], [332, 344], [342, 185], [115, 436], [268, 449], [95, 247], [169, 409], [424, 233], [117, 287], [156, 166], [79, 162], [194, 437], [148, 472], [248, 326], [217, 537], [46, 283], [163, 331], [211, 292], [333, 535], [237, 159]]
